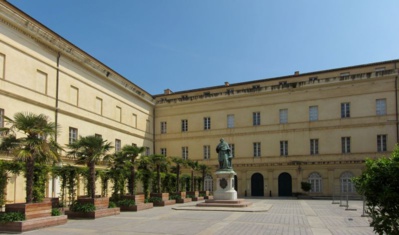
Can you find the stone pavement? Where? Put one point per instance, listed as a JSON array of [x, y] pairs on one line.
[[283, 216]]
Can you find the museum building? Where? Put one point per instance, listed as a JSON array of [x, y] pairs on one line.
[[317, 127]]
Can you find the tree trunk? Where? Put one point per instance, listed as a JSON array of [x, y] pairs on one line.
[[177, 178], [92, 179], [203, 180], [132, 192], [30, 165], [159, 178], [192, 180]]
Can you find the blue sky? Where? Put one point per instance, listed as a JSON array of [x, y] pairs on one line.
[[187, 44]]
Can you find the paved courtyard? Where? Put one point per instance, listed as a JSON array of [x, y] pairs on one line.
[[283, 216]]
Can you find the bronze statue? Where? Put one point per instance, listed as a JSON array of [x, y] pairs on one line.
[[224, 155]]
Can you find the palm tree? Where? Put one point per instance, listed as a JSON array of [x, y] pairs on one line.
[[89, 151], [118, 173], [205, 169], [158, 161], [179, 163], [130, 152], [36, 145]]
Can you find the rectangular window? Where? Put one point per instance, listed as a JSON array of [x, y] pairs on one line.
[[74, 95], [283, 116], [313, 113], [230, 121], [232, 150], [2, 65], [73, 135], [134, 120], [381, 143], [184, 152], [207, 152], [147, 151], [1, 119], [163, 127], [284, 148], [184, 125], [163, 152], [257, 150], [41, 82], [314, 146], [346, 144], [207, 123], [99, 106], [381, 107], [98, 135], [118, 114], [345, 110], [118, 145], [256, 118]]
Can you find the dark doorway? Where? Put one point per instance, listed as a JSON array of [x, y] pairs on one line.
[[257, 185], [284, 185], [235, 183]]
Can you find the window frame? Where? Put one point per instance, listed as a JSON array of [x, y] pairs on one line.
[[283, 148], [184, 125], [382, 143], [257, 149], [314, 146], [207, 123], [73, 135], [283, 116], [345, 110], [346, 145]]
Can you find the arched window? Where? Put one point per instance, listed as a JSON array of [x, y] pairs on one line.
[[346, 183], [208, 184], [315, 182]]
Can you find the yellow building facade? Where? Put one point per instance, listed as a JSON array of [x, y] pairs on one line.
[[317, 127]]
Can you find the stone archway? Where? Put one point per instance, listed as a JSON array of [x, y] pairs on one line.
[[284, 185], [257, 185]]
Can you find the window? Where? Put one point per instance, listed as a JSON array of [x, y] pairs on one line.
[[207, 152], [256, 118], [313, 113], [184, 125], [208, 183], [134, 120], [207, 123], [315, 182], [74, 95], [283, 116], [230, 121], [346, 144], [257, 149], [2, 65], [381, 143], [381, 107], [98, 136], [283, 148], [118, 145], [41, 82], [163, 128], [346, 183], [184, 152], [99, 106], [232, 149], [147, 151], [1, 120], [73, 135], [118, 114], [163, 152], [345, 110], [314, 146]]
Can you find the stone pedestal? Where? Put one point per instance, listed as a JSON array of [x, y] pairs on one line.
[[225, 185]]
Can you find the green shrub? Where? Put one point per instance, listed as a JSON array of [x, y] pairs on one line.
[[306, 186], [111, 205], [55, 212], [174, 197], [11, 217], [154, 199], [82, 207], [126, 202]]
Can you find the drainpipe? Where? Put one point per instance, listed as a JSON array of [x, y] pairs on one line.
[[56, 115]]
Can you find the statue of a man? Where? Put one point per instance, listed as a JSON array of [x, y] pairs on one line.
[[224, 155]]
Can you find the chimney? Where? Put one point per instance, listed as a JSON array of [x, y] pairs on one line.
[[226, 84], [167, 92], [296, 73]]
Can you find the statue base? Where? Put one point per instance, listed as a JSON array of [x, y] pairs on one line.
[[225, 185]]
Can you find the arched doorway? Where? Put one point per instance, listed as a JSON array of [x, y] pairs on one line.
[[284, 185], [257, 185]]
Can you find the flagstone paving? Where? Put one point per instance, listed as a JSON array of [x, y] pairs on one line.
[[277, 216]]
